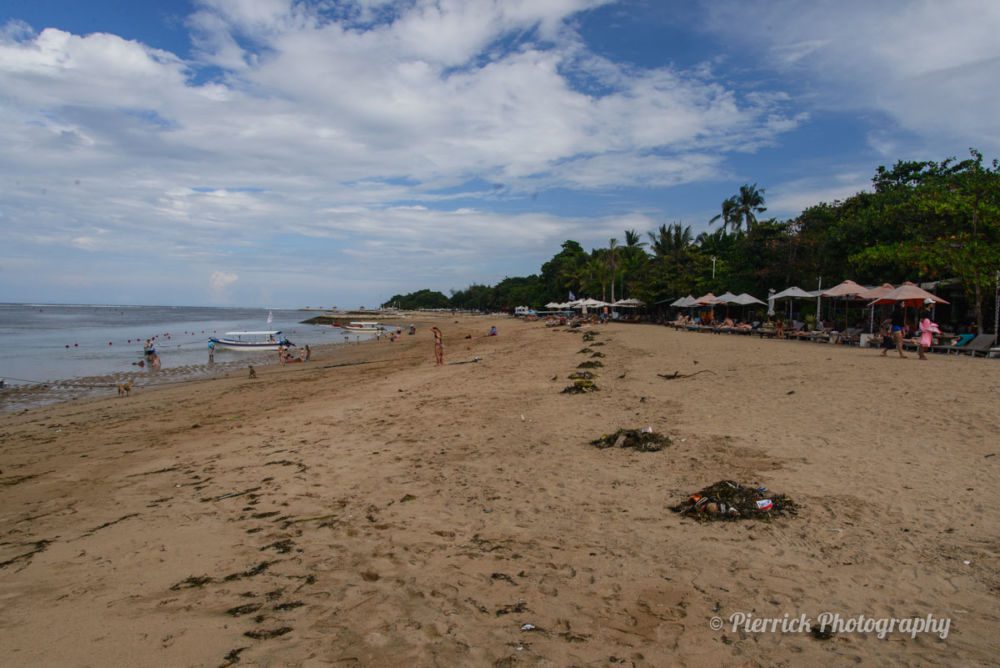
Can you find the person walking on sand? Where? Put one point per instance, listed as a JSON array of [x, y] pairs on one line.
[[927, 330], [892, 332], [438, 347]]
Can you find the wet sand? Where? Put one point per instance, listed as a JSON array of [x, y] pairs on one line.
[[386, 512]]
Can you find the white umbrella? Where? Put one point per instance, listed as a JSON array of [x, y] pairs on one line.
[[684, 302], [793, 292], [726, 298], [745, 299], [630, 303], [553, 305]]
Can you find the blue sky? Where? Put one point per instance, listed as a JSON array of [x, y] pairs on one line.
[[276, 153]]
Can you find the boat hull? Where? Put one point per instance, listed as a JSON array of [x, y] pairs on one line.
[[247, 346]]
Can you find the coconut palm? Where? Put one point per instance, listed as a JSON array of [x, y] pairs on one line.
[[670, 239], [749, 202], [730, 215], [613, 250]]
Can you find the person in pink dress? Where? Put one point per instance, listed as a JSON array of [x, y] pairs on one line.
[[927, 330]]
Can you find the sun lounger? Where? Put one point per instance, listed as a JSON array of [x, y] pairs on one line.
[[979, 345], [849, 337], [954, 345]]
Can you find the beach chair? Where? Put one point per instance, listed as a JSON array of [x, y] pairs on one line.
[[849, 337], [980, 344], [954, 345]]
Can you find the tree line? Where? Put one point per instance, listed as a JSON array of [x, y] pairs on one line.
[[922, 221]]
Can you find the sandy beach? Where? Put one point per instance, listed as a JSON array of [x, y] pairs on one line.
[[368, 508]]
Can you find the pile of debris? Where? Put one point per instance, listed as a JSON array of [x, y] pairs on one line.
[[729, 500], [643, 440], [581, 386]]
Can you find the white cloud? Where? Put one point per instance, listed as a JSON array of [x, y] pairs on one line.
[[930, 66], [326, 124], [220, 281], [791, 198]]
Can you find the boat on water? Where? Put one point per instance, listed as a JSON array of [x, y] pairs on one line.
[[362, 327], [265, 340]]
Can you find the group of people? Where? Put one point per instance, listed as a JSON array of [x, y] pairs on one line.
[[285, 356], [894, 332]]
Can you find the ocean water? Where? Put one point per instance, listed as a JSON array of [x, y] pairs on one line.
[[49, 342]]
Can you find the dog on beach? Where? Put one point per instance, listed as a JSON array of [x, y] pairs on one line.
[[124, 388], [253, 372]]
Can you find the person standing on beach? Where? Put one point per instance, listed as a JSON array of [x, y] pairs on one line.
[[892, 329], [927, 329], [438, 347]]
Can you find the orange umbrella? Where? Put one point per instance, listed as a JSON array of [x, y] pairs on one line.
[[877, 292], [909, 294], [846, 289]]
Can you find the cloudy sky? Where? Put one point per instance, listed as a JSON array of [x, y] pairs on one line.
[[317, 152]]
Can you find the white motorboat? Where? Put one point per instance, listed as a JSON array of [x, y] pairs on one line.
[[266, 340], [362, 327]]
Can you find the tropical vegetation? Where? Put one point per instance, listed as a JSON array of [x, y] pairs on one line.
[[921, 221]]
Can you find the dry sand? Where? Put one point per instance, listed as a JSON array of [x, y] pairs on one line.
[[394, 513]]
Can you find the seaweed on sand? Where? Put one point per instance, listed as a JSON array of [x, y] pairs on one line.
[[580, 386], [581, 375], [583, 351], [590, 364], [640, 439], [589, 336], [729, 500], [191, 582]]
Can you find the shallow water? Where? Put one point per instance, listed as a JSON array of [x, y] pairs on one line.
[[46, 342]]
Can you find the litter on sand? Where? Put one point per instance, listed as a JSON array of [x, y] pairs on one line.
[[729, 500], [581, 386], [643, 440]]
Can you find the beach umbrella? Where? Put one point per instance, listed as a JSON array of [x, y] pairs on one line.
[[846, 290], [685, 302], [909, 294], [744, 299], [794, 292], [630, 303], [726, 298], [553, 305], [875, 293], [707, 299]]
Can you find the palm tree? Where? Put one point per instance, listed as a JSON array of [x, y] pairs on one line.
[[612, 259], [730, 216], [741, 210], [749, 202], [670, 239], [632, 239]]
